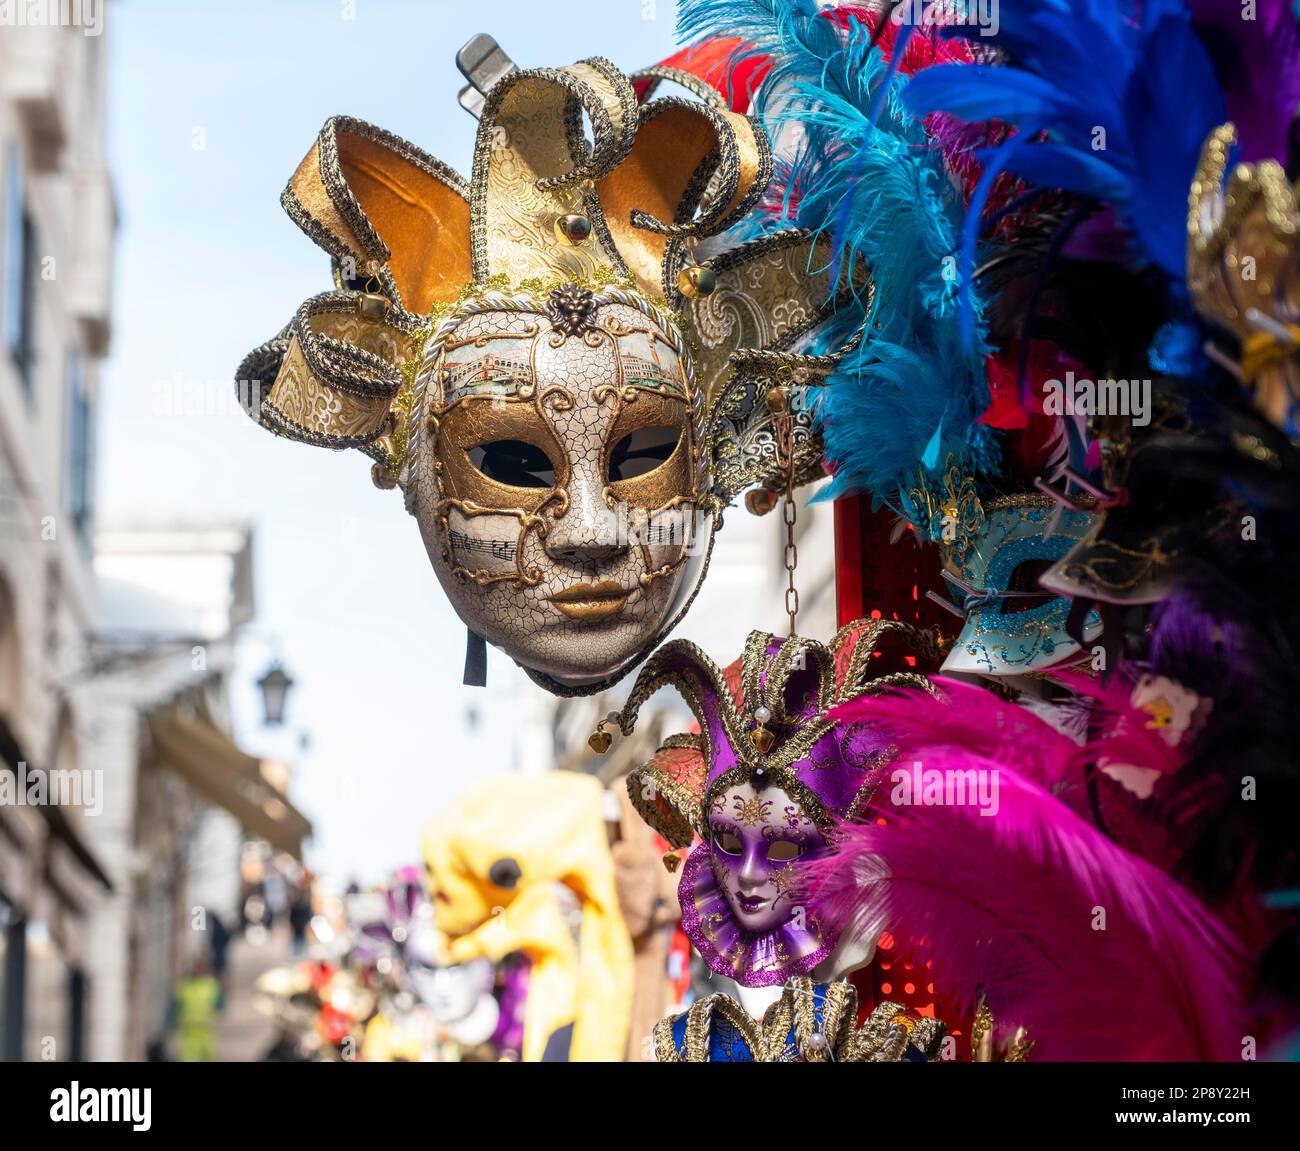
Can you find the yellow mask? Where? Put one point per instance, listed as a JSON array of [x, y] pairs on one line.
[[498, 859]]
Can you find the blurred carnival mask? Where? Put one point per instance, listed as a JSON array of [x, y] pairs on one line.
[[1243, 269], [504, 861], [384, 924], [1243, 275], [762, 782], [565, 396]]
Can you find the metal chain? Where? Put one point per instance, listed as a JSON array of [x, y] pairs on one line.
[[785, 449]]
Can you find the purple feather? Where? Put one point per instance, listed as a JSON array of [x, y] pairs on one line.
[[1258, 65]]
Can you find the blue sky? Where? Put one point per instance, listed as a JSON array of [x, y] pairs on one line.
[[212, 107]]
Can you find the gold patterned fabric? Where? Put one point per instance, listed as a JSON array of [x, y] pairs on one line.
[[339, 376], [532, 165], [406, 232], [810, 1023]]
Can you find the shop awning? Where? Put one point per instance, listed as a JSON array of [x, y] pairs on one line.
[[210, 762]]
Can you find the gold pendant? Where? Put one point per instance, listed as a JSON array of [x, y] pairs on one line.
[[373, 307]]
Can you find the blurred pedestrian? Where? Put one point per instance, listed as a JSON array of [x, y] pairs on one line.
[[276, 893], [300, 912], [196, 1003], [219, 946]]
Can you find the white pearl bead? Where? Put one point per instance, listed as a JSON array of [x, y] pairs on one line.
[[762, 714]]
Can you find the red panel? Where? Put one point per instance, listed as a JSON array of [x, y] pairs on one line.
[[879, 580], [889, 976]]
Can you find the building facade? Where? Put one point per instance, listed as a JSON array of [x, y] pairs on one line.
[[172, 600], [57, 225]]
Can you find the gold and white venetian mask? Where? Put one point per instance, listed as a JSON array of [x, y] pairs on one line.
[[557, 477], [566, 398]]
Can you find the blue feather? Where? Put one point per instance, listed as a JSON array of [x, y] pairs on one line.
[[1124, 91], [909, 396], [1066, 168]]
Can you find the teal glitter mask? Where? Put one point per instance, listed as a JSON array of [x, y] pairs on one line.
[[1012, 625]]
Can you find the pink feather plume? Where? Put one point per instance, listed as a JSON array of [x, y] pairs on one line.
[[1009, 904], [972, 718]]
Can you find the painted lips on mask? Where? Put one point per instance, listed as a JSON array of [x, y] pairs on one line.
[[591, 602]]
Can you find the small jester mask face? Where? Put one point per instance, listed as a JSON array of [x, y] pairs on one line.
[[763, 808], [558, 477], [755, 838], [1013, 625]]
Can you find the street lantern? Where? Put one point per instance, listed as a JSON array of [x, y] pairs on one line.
[[275, 685]]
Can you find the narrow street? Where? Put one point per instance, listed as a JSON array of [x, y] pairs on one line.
[[243, 1034]]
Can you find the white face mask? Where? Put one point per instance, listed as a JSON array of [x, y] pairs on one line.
[[557, 478], [512, 351]]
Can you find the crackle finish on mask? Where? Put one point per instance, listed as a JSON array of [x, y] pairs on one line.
[[571, 388], [584, 205]]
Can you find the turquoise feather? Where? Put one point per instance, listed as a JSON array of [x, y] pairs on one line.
[[866, 176]]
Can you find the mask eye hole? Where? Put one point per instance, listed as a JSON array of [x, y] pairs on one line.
[[513, 462], [727, 842], [1025, 591], [784, 851], [641, 451]]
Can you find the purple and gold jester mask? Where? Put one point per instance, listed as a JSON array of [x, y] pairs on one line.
[[762, 782], [565, 397]]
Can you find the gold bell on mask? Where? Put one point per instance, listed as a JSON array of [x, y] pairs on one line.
[[695, 280]]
